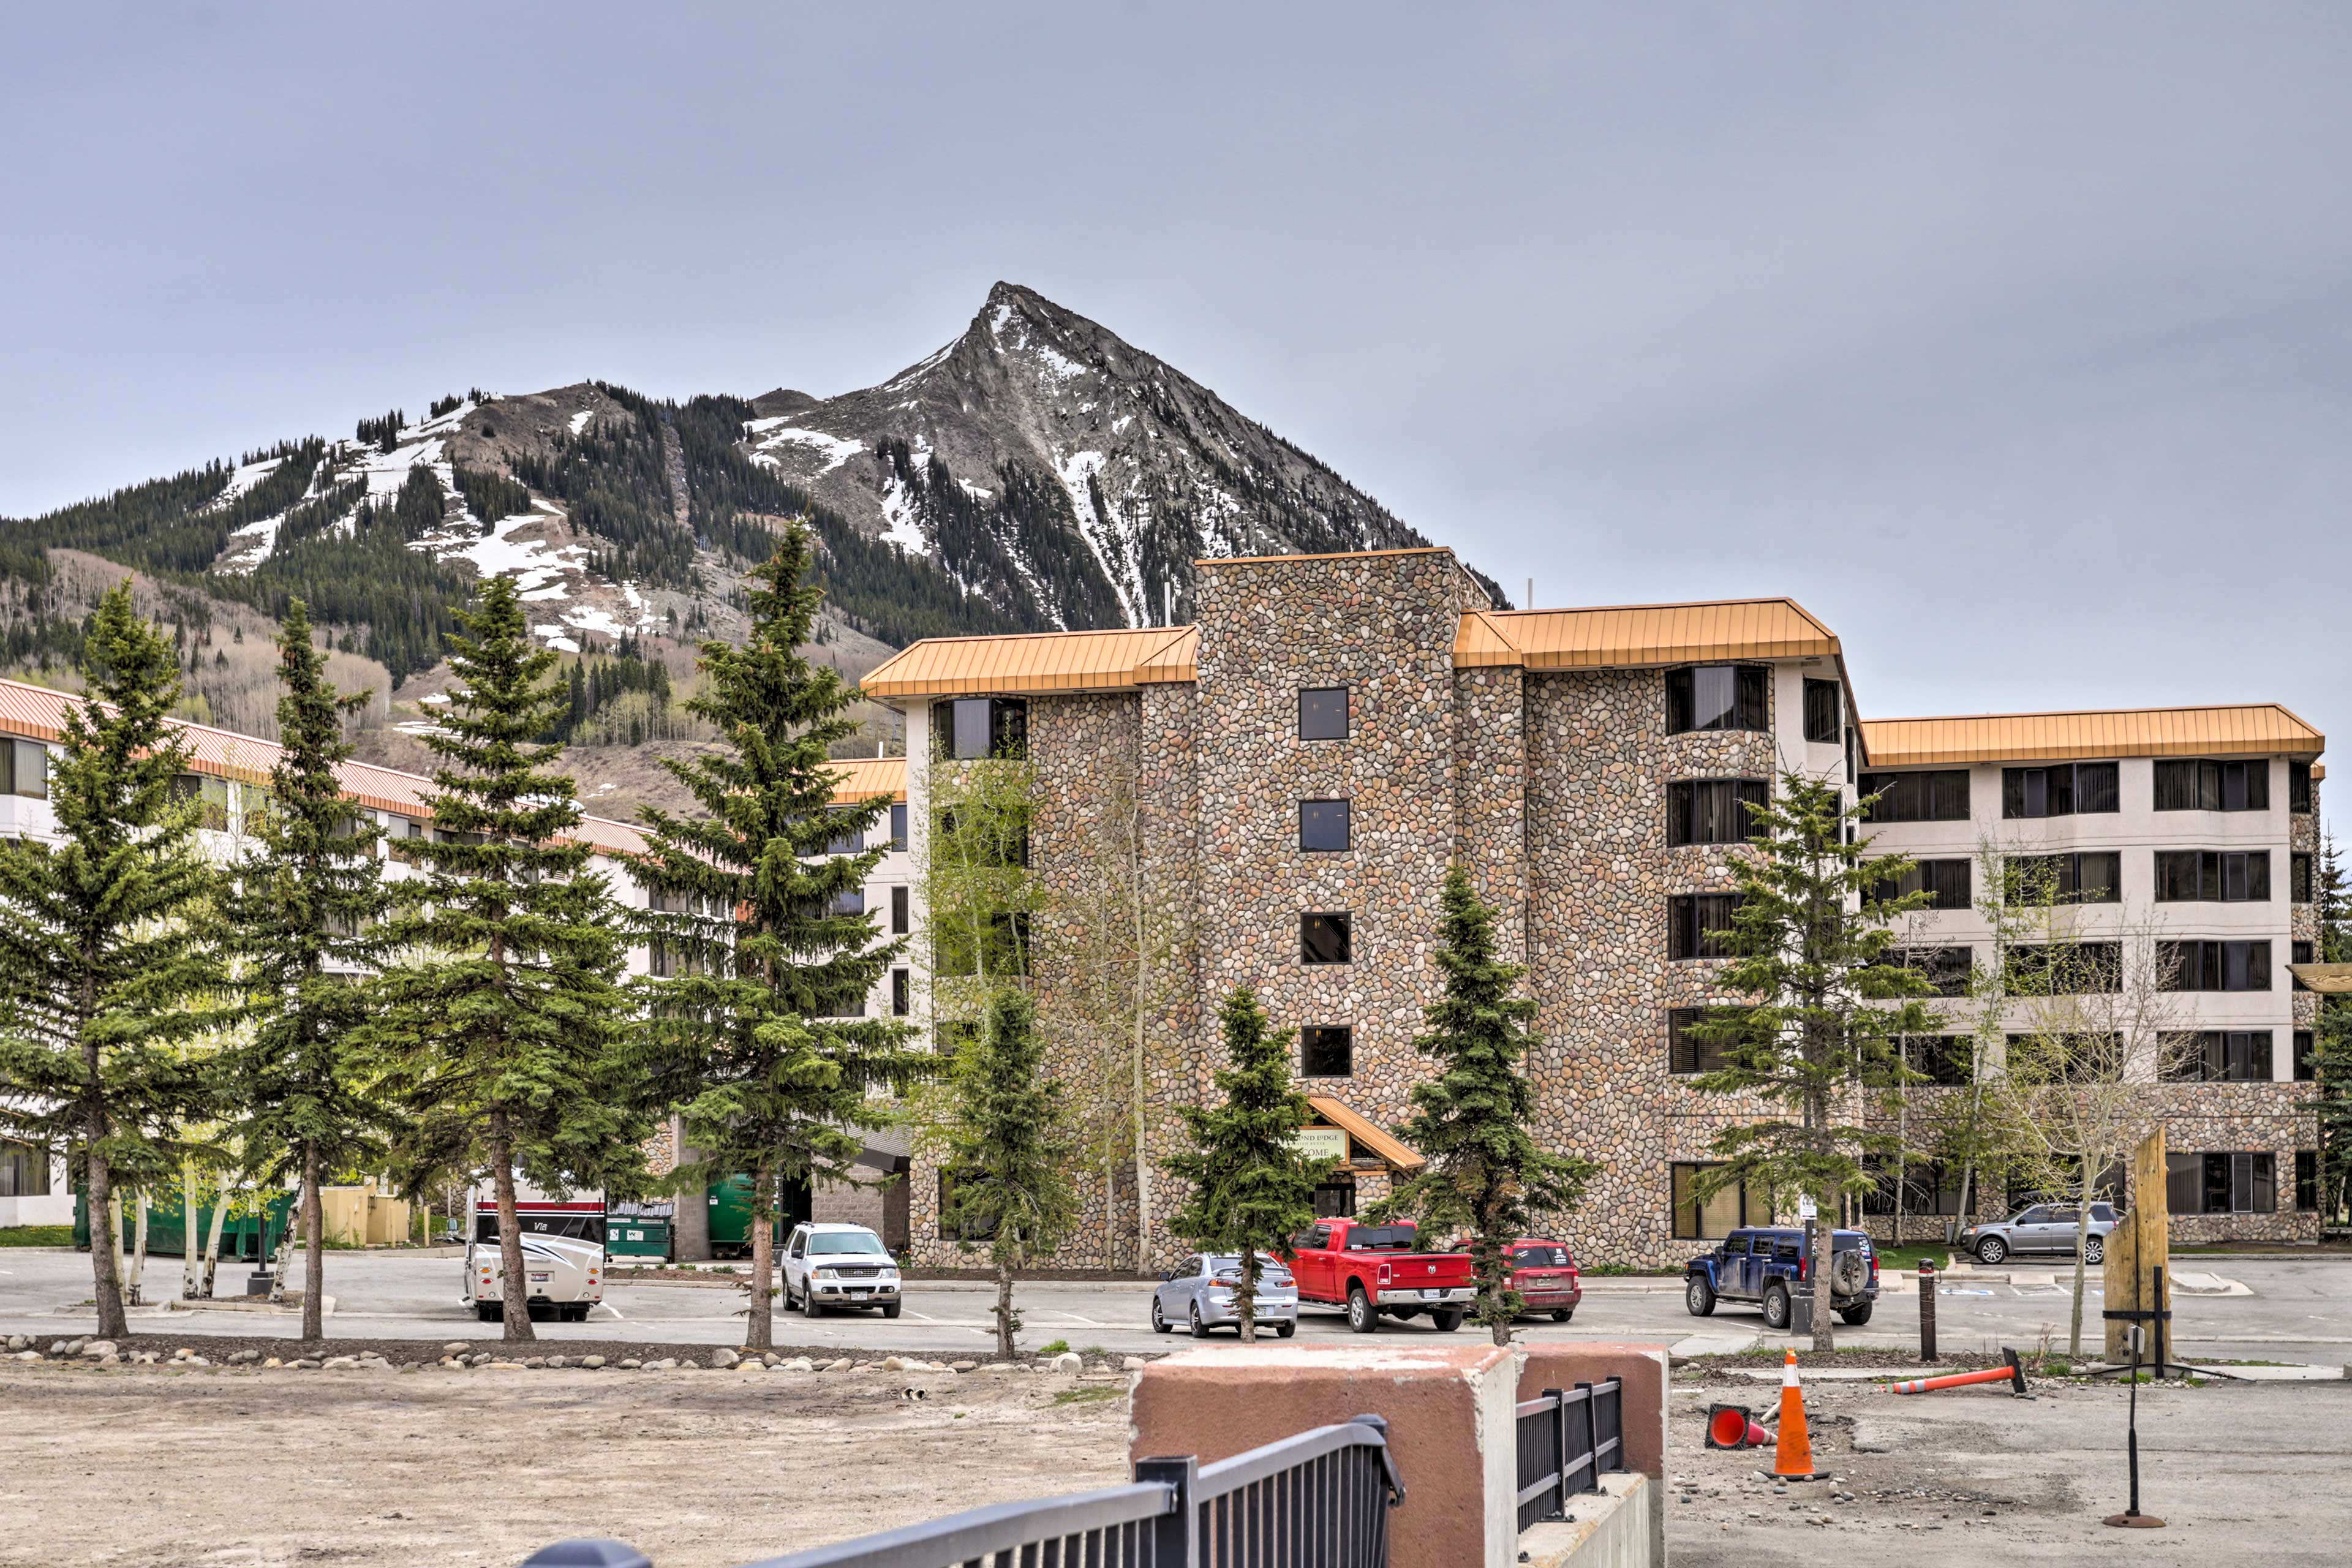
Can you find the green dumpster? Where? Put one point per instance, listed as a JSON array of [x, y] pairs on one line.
[[241, 1235], [731, 1213], [638, 1230]]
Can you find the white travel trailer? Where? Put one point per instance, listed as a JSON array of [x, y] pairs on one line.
[[562, 1255]]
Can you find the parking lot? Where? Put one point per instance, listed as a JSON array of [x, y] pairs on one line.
[[2284, 1310]]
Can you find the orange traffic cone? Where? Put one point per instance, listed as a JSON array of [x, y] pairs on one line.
[[1792, 1458]]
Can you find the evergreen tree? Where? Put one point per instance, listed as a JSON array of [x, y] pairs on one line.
[[304, 901], [1485, 1174], [1812, 942], [760, 1022], [1251, 1188], [1010, 1149], [499, 1035], [105, 961], [2332, 1050]]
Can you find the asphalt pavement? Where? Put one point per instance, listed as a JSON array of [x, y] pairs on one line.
[[2258, 1311]]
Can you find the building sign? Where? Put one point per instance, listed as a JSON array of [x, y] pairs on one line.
[[1323, 1142]]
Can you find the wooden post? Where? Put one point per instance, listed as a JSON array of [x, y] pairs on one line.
[[2139, 1245]]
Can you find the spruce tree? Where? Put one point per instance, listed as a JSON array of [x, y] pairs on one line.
[[2331, 1066], [1252, 1187], [760, 1025], [499, 1033], [303, 902], [1485, 1173], [1010, 1148], [106, 963], [1812, 942]]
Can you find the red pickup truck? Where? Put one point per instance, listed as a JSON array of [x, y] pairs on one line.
[[1370, 1269]]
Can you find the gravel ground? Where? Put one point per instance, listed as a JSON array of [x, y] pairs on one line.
[[161, 1468]]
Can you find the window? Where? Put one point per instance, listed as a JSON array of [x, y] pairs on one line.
[[2062, 789], [850, 1007], [848, 902], [2306, 1180], [1929, 1187], [846, 840], [2088, 877], [900, 920], [2297, 952], [1716, 697], [902, 998], [209, 795], [1938, 797], [2065, 969], [1324, 937], [669, 960], [1712, 1219], [1005, 947], [1824, 711], [25, 771], [1948, 884], [2215, 966], [2298, 788], [2298, 877], [2221, 1183], [2212, 876], [898, 827], [2212, 786], [1334, 1200], [2307, 1056], [23, 1171], [1323, 713], [1688, 1052], [1700, 925], [2217, 1055], [1948, 1060], [1714, 811], [1947, 969], [969, 1229], [1323, 825], [974, 727], [1327, 1050]]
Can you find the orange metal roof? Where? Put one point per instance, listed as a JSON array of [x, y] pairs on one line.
[[1624, 636], [1035, 661], [36, 712], [863, 778], [2251, 729], [1179, 660], [1385, 1145]]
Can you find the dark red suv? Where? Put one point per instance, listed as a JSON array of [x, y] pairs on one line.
[[1543, 1274]]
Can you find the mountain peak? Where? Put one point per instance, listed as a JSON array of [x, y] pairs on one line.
[[1064, 474]]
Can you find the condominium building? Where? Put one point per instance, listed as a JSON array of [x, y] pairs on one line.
[[1301, 765], [226, 774]]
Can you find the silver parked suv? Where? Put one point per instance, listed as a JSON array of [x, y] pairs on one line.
[[2044, 1228]]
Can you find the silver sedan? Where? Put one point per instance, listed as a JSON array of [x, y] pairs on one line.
[[1199, 1294]]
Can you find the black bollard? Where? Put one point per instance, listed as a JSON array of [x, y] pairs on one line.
[[1927, 1310]]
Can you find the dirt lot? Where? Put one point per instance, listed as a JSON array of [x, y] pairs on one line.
[[699, 1470], [2244, 1473]]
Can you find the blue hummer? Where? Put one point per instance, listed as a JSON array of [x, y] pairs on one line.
[[1766, 1264]]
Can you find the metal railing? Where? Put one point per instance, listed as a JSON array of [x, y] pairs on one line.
[[1567, 1441], [1319, 1500]]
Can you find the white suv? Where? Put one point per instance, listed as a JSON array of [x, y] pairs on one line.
[[829, 1266]]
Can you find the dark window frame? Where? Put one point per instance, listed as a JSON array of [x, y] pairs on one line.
[[2206, 784], [1697, 1228], [2210, 876], [2067, 875], [1696, 808], [1949, 968], [1933, 876], [2301, 871], [1346, 820], [1320, 1045], [1340, 924], [1700, 925], [1824, 711], [2034, 968], [2208, 963], [902, 913], [1687, 1056], [1948, 1060], [2060, 789], [980, 728], [1319, 730], [1920, 795], [2221, 1056], [1749, 706], [2298, 788]]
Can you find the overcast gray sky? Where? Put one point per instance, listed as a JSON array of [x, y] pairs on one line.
[[2013, 342]]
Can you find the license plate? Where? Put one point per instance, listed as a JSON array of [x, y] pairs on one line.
[[1431, 1295], [540, 1278], [860, 1294]]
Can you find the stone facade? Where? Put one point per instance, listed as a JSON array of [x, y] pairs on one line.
[[1549, 784]]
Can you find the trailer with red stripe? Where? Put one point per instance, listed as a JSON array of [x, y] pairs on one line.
[[562, 1256]]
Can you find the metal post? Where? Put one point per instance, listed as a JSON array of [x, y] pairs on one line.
[[1927, 1310], [1171, 1534], [1558, 1398], [2156, 1277]]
